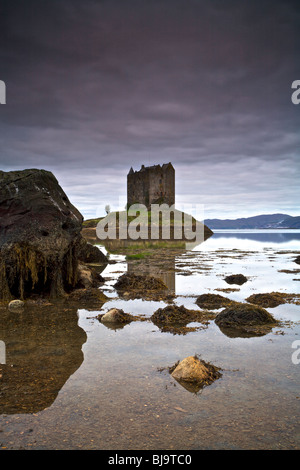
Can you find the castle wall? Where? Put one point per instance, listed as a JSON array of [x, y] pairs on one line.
[[151, 185]]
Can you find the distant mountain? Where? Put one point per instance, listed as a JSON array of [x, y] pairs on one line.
[[291, 222], [256, 222]]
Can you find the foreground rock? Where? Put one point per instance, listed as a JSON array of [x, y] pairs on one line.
[[194, 373], [40, 237]]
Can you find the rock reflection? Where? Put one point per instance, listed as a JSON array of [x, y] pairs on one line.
[[243, 332], [43, 349]]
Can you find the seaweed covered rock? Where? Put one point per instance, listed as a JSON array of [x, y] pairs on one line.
[[139, 285], [270, 300], [40, 237], [238, 279], [174, 314], [241, 314], [212, 301], [174, 319]]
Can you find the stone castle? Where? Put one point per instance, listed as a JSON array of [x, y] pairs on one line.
[[151, 185]]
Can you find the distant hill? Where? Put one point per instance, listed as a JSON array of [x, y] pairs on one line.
[[257, 222], [291, 222]]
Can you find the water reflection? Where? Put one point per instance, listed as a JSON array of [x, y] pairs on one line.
[[245, 332], [154, 258], [43, 349], [260, 236]]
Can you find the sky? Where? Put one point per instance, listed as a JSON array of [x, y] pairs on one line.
[[95, 87]]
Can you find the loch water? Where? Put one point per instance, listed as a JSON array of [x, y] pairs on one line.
[[67, 381]]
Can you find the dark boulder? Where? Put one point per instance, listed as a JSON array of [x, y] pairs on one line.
[[40, 236], [238, 279], [89, 253]]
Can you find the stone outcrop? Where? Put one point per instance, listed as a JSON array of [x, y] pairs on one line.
[[40, 236]]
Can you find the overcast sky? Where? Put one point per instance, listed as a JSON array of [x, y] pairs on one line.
[[95, 87]]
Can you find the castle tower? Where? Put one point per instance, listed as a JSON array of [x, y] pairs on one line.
[[151, 185]]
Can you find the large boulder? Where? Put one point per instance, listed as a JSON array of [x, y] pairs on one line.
[[40, 236]]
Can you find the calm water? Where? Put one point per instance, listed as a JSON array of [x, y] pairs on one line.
[[70, 382]]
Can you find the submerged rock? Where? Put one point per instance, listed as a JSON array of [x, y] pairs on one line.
[[194, 373], [40, 236], [90, 299], [238, 279]]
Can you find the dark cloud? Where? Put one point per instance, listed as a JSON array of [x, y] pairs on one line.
[[96, 87]]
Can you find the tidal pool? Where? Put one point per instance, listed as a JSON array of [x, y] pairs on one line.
[[70, 382]]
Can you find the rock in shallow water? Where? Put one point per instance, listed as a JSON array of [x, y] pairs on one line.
[[241, 314], [238, 279], [115, 315], [194, 373]]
